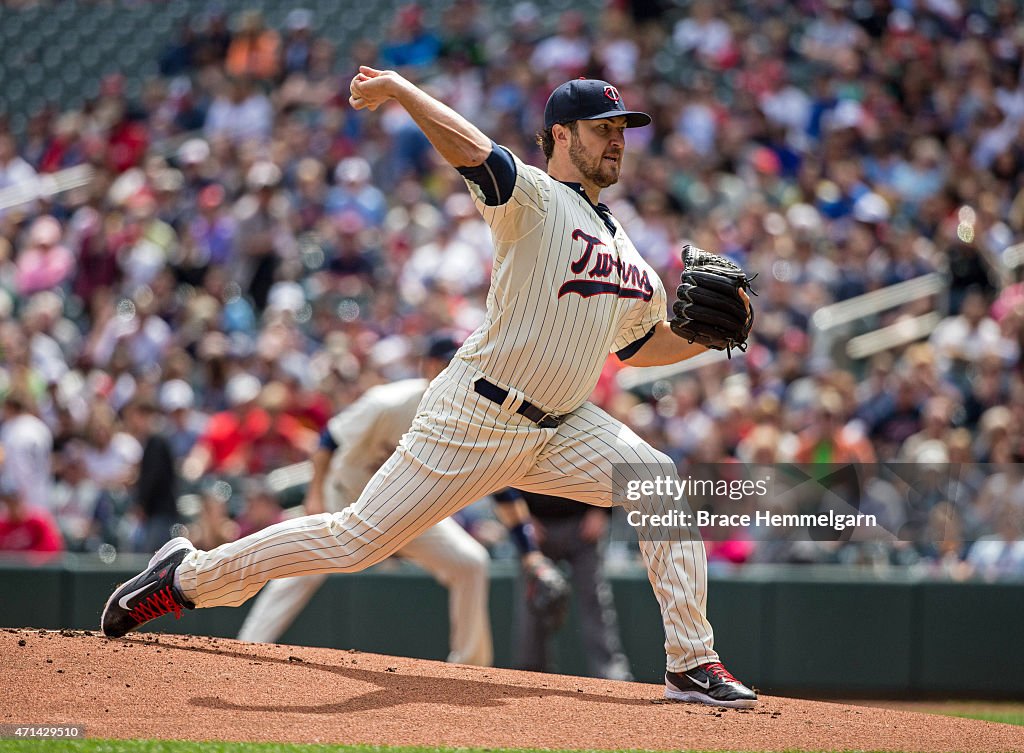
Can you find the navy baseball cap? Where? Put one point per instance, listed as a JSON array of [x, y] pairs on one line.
[[589, 99]]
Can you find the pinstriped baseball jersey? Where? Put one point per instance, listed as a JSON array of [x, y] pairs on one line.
[[565, 292], [367, 432], [567, 288]]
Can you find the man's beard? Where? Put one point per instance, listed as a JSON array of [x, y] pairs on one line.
[[601, 175]]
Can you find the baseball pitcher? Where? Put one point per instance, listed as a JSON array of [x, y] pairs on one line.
[[567, 288]]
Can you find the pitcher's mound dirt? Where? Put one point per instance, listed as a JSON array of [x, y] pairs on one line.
[[198, 688]]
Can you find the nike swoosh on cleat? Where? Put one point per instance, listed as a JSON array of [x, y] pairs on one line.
[[706, 684], [123, 601]]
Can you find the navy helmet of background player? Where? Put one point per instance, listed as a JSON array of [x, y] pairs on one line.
[[568, 288]]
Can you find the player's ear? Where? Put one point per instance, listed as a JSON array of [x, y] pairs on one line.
[[561, 134]]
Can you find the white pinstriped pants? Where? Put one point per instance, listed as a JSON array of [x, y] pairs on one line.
[[460, 448], [455, 559]]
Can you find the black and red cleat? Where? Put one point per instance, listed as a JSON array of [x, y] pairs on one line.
[[148, 595], [711, 684]]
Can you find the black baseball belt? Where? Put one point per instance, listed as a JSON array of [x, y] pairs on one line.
[[496, 394]]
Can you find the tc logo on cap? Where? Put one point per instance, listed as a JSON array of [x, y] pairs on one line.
[[612, 93]]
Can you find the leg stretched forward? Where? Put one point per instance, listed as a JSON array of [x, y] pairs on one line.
[[448, 459]]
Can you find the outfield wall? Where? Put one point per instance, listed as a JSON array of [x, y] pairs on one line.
[[798, 630]]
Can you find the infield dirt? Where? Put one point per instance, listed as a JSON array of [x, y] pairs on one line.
[[198, 688]]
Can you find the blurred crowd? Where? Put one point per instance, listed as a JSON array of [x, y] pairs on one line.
[[251, 254]]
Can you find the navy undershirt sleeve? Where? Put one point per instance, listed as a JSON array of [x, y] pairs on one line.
[[496, 177], [327, 441], [630, 350]]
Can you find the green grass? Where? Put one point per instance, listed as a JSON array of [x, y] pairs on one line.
[[1006, 717]]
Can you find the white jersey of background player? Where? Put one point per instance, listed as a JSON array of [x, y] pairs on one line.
[[356, 443], [567, 288]]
